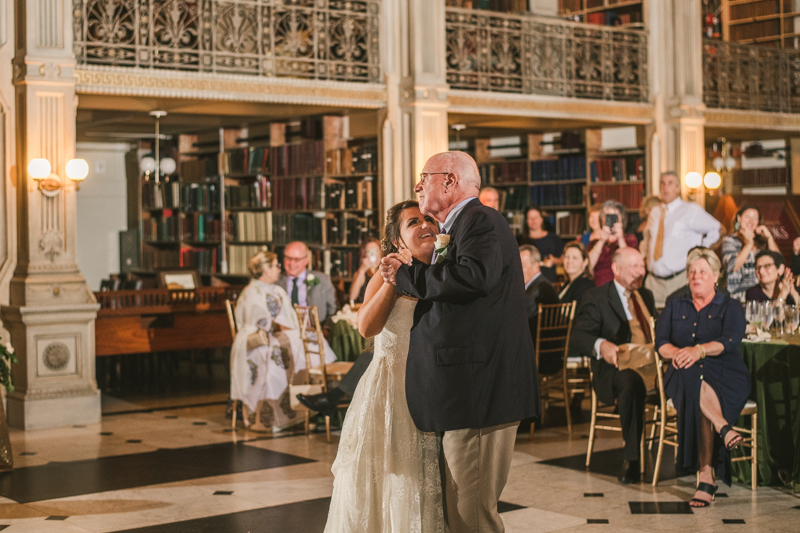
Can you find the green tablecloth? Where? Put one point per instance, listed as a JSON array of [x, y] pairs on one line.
[[775, 371], [346, 342]]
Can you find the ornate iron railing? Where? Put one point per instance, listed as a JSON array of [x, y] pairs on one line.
[[490, 51], [746, 76], [316, 39]]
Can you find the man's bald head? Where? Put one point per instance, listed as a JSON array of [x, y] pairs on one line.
[[460, 164], [447, 179], [627, 264]]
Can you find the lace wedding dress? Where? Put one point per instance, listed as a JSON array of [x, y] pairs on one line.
[[386, 471]]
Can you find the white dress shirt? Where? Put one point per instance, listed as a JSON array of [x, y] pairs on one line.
[[452, 215], [534, 278], [624, 298], [686, 225]]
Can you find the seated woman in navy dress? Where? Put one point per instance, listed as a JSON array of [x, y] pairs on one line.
[[699, 331]]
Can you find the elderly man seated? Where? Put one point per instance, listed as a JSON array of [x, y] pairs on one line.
[[538, 290], [306, 287], [610, 315]]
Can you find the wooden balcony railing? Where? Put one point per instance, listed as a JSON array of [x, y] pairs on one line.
[[489, 51], [751, 77], [315, 39]]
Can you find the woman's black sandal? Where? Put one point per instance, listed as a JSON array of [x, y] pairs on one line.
[[735, 442], [708, 489]]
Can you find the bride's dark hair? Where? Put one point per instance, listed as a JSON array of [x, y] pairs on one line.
[[391, 232]]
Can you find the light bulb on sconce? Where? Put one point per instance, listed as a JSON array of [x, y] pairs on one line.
[[49, 182], [693, 180], [168, 165], [712, 181], [147, 164]]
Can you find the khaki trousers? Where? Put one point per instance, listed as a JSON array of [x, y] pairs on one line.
[[475, 468], [662, 288]]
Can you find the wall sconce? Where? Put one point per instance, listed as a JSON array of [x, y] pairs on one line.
[[693, 180], [49, 182], [712, 181]]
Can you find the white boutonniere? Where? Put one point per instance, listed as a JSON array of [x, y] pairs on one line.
[[440, 247], [311, 280]]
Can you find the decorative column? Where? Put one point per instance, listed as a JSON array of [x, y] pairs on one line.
[[413, 55], [676, 51], [51, 311]]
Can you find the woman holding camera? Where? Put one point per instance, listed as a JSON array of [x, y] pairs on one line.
[[370, 254], [612, 238], [739, 250]]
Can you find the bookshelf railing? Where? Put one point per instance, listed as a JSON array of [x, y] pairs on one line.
[[491, 51], [315, 39], [746, 76]]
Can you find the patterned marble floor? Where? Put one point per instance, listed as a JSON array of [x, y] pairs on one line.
[[173, 465]]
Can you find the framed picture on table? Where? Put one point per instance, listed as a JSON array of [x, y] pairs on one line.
[[178, 279]]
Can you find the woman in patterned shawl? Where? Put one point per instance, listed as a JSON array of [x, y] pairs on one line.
[[267, 352]]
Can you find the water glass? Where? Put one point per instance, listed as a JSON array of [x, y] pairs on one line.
[[792, 319], [778, 315], [768, 317]]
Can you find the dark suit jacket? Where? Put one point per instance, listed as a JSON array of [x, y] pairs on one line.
[[601, 315], [540, 292], [471, 362], [322, 294]]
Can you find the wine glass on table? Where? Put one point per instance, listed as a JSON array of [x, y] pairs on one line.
[[768, 316], [778, 315], [792, 319]]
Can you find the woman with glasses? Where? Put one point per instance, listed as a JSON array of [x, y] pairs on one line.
[[774, 280], [265, 348]]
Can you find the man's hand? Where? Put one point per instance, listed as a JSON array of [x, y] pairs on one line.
[[389, 266], [608, 351]]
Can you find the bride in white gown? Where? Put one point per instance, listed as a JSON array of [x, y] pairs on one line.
[[386, 473]]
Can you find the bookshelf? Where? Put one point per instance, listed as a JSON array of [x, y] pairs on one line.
[[628, 13], [241, 190], [563, 173], [505, 6], [764, 22]]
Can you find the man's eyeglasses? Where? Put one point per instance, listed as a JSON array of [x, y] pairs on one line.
[[289, 259], [424, 176]]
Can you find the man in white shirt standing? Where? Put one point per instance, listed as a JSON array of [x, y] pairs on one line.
[[675, 228]]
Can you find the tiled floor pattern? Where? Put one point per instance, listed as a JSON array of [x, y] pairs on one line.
[[152, 469]]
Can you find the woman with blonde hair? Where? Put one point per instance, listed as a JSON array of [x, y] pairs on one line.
[[267, 352]]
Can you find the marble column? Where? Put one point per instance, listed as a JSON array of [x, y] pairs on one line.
[[51, 309], [676, 54], [415, 125]]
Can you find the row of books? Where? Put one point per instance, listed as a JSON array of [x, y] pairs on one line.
[[239, 255], [257, 194], [153, 259], [753, 9], [359, 159], [333, 229], [247, 161], [201, 259], [298, 193], [754, 30], [514, 198], [571, 224], [500, 173], [760, 177], [199, 227], [563, 168], [164, 194], [161, 229], [630, 168], [198, 170], [200, 197], [551, 195], [297, 159], [351, 195], [628, 195], [251, 227]]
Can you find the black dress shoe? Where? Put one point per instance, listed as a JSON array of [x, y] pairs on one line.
[[630, 473], [319, 403]]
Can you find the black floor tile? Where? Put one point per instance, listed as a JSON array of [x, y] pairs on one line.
[[4, 526], [733, 521], [105, 433], [199, 423], [660, 508], [134, 441], [593, 495], [301, 517], [56, 518], [61, 480], [597, 520], [721, 495], [609, 463], [504, 507], [223, 493], [28, 453]]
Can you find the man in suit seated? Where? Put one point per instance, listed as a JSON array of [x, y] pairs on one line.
[[617, 313], [538, 290], [306, 287]]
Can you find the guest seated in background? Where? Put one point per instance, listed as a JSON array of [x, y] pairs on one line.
[[617, 313], [370, 254], [708, 382], [795, 264], [306, 287], [642, 235], [326, 402], [774, 280], [612, 238], [595, 226], [549, 244], [262, 356], [538, 290], [489, 197], [575, 262], [739, 250]]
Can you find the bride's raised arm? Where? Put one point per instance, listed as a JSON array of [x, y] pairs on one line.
[[379, 300]]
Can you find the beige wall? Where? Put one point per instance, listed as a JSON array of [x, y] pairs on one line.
[[7, 151]]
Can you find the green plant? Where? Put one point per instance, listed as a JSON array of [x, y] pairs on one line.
[[7, 357]]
